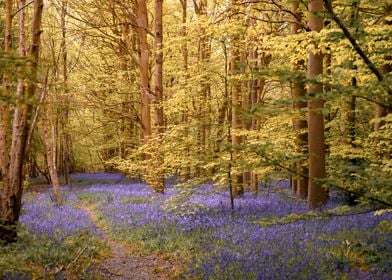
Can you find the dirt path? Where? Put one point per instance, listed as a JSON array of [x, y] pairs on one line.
[[122, 264]]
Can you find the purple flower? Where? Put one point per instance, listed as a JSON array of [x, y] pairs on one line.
[[43, 217], [225, 243]]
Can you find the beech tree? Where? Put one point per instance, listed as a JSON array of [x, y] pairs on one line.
[[176, 87], [236, 96], [7, 197], [16, 151], [300, 181], [260, 95], [159, 177], [317, 195]]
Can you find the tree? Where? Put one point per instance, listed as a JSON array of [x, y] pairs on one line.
[[159, 179], [12, 189], [236, 96], [300, 181], [317, 195], [7, 198], [186, 170], [48, 136], [66, 149]]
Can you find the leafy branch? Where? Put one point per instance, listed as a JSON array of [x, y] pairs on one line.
[[353, 42], [336, 212]]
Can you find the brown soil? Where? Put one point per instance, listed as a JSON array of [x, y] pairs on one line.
[[124, 263]]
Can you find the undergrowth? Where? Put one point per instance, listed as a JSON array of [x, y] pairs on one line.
[[40, 257]]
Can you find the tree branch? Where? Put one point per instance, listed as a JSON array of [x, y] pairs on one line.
[[353, 42], [24, 7]]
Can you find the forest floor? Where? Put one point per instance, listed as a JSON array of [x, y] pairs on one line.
[[109, 227], [125, 263]]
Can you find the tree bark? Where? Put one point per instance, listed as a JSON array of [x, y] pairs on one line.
[[205, 86], [186, 171], [13, 189], [382, 111], [7, 233], [49, 140], [67, 154], [159, 179], [317, 195], [348, 115], [298, 93], [236, 124], [142, 23]]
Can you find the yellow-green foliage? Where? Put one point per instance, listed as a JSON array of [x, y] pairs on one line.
[[105, 93]]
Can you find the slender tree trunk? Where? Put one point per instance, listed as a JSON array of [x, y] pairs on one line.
[[236, 140], [185, 116], [158, 44], [254, 89], [159, 179], [382, 111], [65, 119], [294, 29], [349, 103], [7, 234], [236, 124], [49, 140], [246, 103], [317, 195], [19, 120], [125, 48], [250, 124], [143, 68], [12, 200], [205, 87], [299, 183]]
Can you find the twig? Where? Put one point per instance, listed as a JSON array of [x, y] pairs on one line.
[[77, 256], [24, 7]]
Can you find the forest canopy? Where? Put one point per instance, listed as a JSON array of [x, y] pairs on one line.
[[239, 94]]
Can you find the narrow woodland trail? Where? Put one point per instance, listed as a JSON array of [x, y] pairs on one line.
[[125, 264]]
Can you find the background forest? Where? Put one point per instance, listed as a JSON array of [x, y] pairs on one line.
[[238, 94]]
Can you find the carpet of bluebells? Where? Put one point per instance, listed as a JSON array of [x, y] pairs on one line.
[[219, 243], [43, 217]]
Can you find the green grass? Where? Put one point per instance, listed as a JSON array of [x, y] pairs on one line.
[[36, 256], [136, 199], [95, 198], [77, 182]]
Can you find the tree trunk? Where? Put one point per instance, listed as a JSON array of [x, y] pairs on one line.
[[66, 157], [13, 189], [205, 87], [7, 232], [317, 195], [185, 174], [49, 140], [236, 124], [159, 179], [143, 68], [382, 111], [252, 99], [298, 93], [348, 115]]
